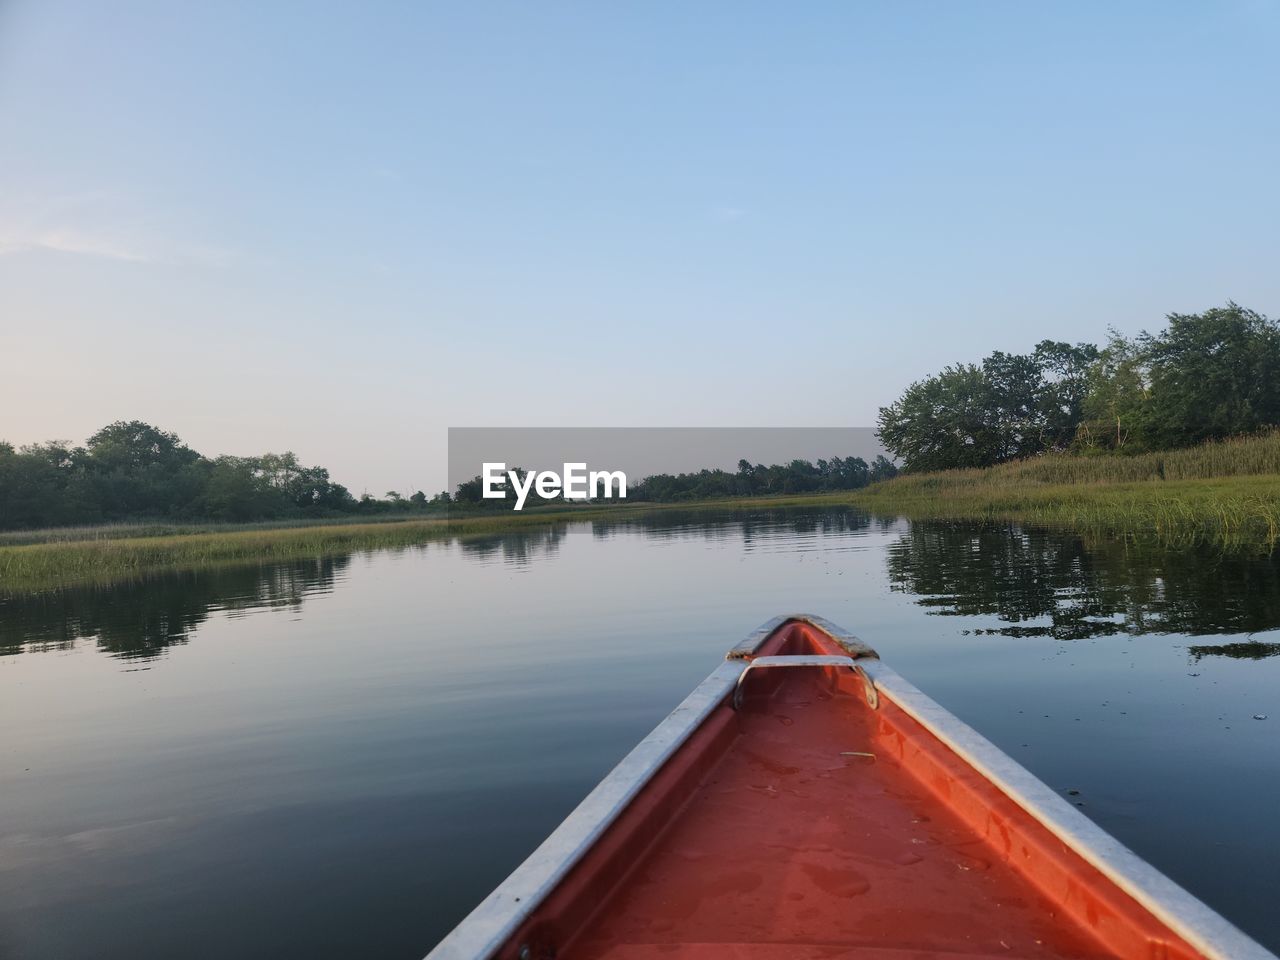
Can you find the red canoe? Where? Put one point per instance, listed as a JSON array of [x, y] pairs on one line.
[[806, 801]]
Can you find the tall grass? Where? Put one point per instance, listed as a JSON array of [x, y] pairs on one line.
[[1226, 493], [51, 558], [1240, 457], [55, 562], [176, 528]]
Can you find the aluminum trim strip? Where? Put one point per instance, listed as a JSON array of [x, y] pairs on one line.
[[1197, 923], [755, 640], [500, 914]]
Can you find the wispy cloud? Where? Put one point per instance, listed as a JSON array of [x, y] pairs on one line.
[[72, 240], [101, 225]]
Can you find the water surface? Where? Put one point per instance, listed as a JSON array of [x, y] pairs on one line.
[[340, 757]]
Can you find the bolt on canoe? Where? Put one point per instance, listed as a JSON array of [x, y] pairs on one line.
[[806, 801]]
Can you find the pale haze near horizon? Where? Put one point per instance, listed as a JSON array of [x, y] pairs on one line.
[[341, 230]]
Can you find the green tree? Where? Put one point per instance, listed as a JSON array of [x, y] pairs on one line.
[[943, 421], [134, 445], [1012, 406], [139, 470], [1116, 402], [882, 468], [236, 490], [1212, 375], [1064, 371]]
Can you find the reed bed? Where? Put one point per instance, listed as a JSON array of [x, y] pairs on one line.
[[1226, 494], [104, 559], [36, 560], [159, 528], [1239, 457], [55, 562]]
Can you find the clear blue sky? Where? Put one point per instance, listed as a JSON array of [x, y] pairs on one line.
[[342, 228]]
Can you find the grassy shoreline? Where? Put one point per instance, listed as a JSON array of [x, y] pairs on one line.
[[52, 558], [1225, 494], [1229, 513]]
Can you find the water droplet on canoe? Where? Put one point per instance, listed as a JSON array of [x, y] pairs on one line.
[[785, 721], [966, 862], [1259, 716], [906, 858]]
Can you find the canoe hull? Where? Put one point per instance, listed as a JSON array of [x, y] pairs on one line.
[[832, 810]]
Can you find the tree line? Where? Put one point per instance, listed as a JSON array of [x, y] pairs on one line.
[[1206, 376], [797, 476], [758, 480], [133, 471]]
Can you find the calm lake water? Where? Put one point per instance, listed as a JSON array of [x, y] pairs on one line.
[[339, 758]]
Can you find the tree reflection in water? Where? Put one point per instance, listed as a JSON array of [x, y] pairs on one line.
[[140, 619], [1043, 583], [1034, 582]]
